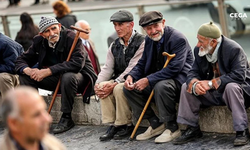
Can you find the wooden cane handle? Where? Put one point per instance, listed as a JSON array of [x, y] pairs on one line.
[[79, 29]]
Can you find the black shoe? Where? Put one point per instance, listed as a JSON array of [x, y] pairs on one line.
[[64, 125], [112, 130], [190, 134], [123, 132], [242, 138]]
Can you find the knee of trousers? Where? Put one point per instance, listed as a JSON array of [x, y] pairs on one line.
[[4, 77], [68, 78], [232, 88], [118, 89]]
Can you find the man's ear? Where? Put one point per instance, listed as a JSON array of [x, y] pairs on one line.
[[60, 26], [41, 34], [163, 22], [214, 43], [12, 124]]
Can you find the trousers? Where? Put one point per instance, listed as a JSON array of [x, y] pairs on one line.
[[71, 83], [232, 97], [115, 108], [166, 95], [7, 82]]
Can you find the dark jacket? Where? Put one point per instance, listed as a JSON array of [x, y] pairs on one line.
[[79, 61], [9, 51], [233, 66], [174, 43], [67, 20]]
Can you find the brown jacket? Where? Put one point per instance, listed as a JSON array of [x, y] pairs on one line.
[[49, 143]]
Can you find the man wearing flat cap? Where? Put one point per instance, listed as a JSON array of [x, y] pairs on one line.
[[45, 61], [149, 74], [220, 75], [122, 56]]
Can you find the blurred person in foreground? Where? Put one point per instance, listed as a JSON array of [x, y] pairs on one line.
[[45, 61], [9, 51], [27, 122], [149, 74], [27, 32], [123, 54], [89, 44], [219, 76]]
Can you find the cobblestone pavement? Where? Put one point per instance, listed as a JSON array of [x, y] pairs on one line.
[[87, 138]]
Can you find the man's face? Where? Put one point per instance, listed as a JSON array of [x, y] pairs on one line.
[[155, 31], [123, 28], [52, 33], [35, 120], [85, 27], [204, 45]]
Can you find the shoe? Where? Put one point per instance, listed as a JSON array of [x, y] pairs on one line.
[[167, 136], [64, 125], [112, 130], [242, 138], [150, 132], [190, 134], [123, 132]]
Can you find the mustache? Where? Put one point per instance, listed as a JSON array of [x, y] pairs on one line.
[[52, 36], [155, 33]]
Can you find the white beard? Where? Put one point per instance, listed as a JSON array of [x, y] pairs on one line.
[[159, 37], [204, 51]]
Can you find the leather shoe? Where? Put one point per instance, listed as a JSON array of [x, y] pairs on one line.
[[124, 131], [64, 125], [242, 138], [112, 130], [190, 134]]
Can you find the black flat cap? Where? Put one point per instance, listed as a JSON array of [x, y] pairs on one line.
[[122, 16], [150, 18]]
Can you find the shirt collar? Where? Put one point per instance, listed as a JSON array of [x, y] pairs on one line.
[[130, 39]]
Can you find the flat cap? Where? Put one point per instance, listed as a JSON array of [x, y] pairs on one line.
[[150, 18], [209, 30], [122, 16]]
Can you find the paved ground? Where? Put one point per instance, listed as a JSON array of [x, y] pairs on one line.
[[87, 138]]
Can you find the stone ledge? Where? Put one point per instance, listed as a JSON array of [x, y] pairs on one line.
[[212, 119]]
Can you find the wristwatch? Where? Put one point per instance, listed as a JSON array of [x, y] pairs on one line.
[[210, 84]]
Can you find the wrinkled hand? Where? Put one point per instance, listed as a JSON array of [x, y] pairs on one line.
[[28, 71], [202, 87], [105, 91], [39, 75], [141, 84], [128, 84]]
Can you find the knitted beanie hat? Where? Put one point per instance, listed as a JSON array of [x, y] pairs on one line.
[[46, 22], [209, 30]]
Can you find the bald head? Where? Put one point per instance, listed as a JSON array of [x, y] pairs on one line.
[[24, 112], [83, 24]]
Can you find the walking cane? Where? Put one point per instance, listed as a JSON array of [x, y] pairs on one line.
[[169, 57], [69, 55]]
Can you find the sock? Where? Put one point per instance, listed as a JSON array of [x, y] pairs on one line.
[[154, 122], [172, 126], [66, 115]]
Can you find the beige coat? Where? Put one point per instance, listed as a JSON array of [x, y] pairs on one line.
[[49, 143]]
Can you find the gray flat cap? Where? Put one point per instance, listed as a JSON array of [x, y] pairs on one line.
[[150, 18], [122, 16]]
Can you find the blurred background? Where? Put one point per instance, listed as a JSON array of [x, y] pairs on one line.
[[233, 16]]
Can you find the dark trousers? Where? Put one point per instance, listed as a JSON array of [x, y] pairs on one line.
[[166, 95], [71, 83]]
